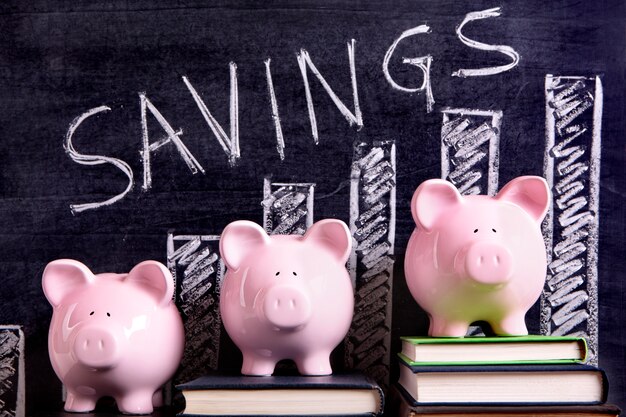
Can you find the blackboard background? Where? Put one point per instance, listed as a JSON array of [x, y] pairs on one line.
[[59, 59]]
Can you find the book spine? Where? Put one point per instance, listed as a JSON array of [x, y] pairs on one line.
[[408, 361]]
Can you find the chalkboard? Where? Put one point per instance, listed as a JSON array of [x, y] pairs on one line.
[[139, 130]]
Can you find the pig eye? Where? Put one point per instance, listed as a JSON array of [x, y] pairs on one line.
[[295, 274], [108, 314], [475, 230], [92, 313], [278, 273], [493, 230]]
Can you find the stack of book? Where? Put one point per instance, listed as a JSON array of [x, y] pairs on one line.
[[347, 394], [504, 376]]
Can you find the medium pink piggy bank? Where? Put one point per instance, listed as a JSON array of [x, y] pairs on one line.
[[116, 335], [286, 296], [477, 257]]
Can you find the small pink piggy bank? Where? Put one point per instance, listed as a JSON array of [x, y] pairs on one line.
[[286, 296], [477, 257], [117, 335]]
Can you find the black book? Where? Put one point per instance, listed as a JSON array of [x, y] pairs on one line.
[[349, 394]]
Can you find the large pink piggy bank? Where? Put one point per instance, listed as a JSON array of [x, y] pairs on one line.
[[286, 296], [117, 335], [477, 257]]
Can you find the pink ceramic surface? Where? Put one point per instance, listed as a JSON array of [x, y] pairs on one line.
[[286, 296], [477, 257], [116, 335]]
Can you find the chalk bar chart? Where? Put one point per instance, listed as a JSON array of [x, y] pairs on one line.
[[287, 207], [470, 150], [569, 303], [372, 223], [197, 269], [470, 142], [12, 372]]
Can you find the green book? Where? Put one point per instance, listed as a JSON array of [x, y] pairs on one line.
[[505, 350]]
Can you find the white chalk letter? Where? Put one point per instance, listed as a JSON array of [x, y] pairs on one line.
[[280, 141], [95, 160], [172, 136], [230, 145], [504, 49], [423, 63], [304, 60]]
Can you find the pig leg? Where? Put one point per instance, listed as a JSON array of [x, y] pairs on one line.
[[254, 364], [79, 403], [435, 325], [512, 324], [315, 364], [439, 327], [157, 398], [136, 402]]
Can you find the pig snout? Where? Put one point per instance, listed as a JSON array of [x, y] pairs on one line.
[[97, 348], [489, 263], [286, 307]]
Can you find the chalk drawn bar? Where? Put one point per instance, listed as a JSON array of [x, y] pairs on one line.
[[470, 142], [197, 269], [569, 303], [287, 207], [12, 372], [372, 224]]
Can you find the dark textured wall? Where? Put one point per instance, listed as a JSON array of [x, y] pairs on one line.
[[59, 60]]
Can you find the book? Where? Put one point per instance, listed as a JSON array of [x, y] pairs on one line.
[[493, 350], [338, 394], [504, 384], [401, 405]]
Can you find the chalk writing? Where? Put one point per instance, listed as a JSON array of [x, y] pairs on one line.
[[280, 141], [172, 136], [304, 61], [423, 63], [503, 49], [95, 160], [229, 143]]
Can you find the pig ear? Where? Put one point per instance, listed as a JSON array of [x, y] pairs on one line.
[[239, 239], [332, 234], [530, 193], [62, 276], [154, 277], [430, 199]]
